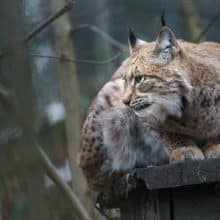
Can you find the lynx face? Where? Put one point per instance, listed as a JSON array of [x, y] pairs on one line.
[[156, 85], [158, 94]]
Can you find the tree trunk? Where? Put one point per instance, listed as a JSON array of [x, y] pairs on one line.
[[20, 160], [70, 94], [191, 20]]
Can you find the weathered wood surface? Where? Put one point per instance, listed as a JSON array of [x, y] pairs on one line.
[[197, 202], [142, 205], [161, 177], [182, 174]]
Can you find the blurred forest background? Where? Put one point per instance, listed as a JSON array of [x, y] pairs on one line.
[[49, 77]]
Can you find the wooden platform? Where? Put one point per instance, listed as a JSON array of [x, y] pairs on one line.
[[185, 191]]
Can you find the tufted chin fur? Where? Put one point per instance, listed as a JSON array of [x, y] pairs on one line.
[[128, 143], [161, 108]]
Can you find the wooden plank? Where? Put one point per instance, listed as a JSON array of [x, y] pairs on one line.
[[162, 177], [141, 205], [189, 202], [146, 205], [196, 202], [165, 204], [188, 173]]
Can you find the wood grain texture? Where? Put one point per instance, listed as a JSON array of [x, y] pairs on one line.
[[182, 174], [162, 177]]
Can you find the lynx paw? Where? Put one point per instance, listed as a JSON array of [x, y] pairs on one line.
[[186, 153], [212, 151]]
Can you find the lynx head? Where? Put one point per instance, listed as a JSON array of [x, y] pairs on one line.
[[156, 79]]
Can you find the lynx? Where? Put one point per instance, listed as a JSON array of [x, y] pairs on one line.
[[165, 95], [114, 140], [175, 86]]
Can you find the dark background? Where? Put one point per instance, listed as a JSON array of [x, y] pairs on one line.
[[30, 87]]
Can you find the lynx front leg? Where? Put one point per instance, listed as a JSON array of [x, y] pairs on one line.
[[212, 150], [182, 148], [186, 153]]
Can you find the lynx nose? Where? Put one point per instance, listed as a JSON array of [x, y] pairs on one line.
[[126, 101]]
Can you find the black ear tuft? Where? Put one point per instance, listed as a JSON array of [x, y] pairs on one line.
[[133, 41], [132, 37], [162, 19]]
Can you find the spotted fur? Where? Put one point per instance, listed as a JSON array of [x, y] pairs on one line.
[[114, 140], [176, 86], [167, 89]]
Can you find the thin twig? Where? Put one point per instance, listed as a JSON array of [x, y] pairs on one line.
[[49, 20], [39, 27], [110, 60], [103, 34], [208, 26], [52, 173]]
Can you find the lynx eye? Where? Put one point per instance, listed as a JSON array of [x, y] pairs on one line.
[[138, 79]]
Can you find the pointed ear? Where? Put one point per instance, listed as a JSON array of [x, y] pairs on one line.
[[166, 44], [162, 19], [133, 41]]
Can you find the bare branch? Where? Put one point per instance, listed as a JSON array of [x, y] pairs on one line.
[[40, 27], [93, 28], [103, 34], [208, 26], [52, 173], [49, 20], [96, 62]]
